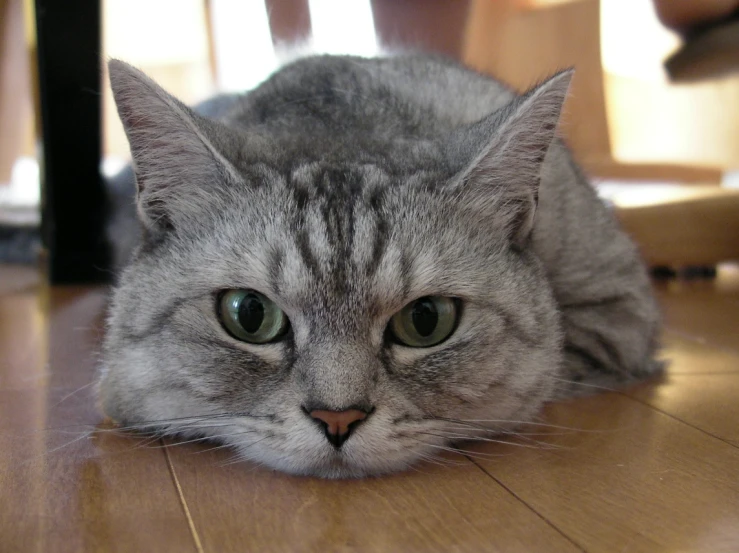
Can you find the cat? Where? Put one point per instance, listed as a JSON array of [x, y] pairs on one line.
[[338, 271]]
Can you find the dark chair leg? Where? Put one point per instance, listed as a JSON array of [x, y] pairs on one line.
[[73, 197]]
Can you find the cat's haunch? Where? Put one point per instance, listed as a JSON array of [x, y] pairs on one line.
[[360, 262]]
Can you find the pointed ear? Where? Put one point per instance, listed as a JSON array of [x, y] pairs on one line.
[[179, 170], [503, 154]]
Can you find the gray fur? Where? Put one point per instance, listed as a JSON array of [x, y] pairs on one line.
[[344, 188]]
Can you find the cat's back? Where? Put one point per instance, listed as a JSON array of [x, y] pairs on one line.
[[411, 96]]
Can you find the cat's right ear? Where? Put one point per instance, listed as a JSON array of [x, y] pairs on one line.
[[179, 169]]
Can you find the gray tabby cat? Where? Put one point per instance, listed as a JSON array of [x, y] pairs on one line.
[[352, 262]]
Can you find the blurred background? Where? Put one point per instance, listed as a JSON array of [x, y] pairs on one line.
[[654, 123]]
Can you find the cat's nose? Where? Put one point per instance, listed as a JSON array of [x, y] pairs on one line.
[[338, 425]]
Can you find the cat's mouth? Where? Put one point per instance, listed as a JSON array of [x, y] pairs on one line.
[[347, 461]]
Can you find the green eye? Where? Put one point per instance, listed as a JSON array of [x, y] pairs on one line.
[[251, 316], [425, 322]]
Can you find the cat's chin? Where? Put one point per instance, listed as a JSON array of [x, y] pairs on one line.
[[335, 467], [345, 471]]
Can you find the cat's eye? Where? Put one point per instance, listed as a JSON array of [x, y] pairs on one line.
[[425, 322], [252, 317]]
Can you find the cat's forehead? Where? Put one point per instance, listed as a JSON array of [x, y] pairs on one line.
[[337, 239], [339, 234], [325, 234], [334, 184]]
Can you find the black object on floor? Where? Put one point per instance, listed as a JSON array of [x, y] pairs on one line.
[[698, 271], [689, 272], [663, 272]]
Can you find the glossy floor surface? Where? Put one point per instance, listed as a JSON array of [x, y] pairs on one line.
[[652, 468]]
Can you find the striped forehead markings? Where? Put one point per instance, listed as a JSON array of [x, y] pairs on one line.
[[333, 194]]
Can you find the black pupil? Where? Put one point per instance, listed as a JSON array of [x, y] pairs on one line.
[[425, 317], [251, 313]]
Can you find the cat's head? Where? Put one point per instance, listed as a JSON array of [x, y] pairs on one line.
[[334, 318]]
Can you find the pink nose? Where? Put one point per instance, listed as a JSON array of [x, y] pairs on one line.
[[338, 424]]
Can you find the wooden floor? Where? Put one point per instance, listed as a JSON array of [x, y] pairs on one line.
[[654, 468]]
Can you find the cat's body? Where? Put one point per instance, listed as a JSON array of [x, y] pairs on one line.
[[342, 189]]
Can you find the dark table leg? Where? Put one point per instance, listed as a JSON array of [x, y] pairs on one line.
[[73, 212]]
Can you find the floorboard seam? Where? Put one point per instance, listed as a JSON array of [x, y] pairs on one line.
[[183, 502], [678, 419], [520, 499]]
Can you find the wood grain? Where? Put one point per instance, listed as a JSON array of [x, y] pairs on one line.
[[683, 396], [432, 508], [704, 310], [687, 355], [66, 483], [68, 488], [628, 479]]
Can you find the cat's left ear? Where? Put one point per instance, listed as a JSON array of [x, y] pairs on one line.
[[503, 154]]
